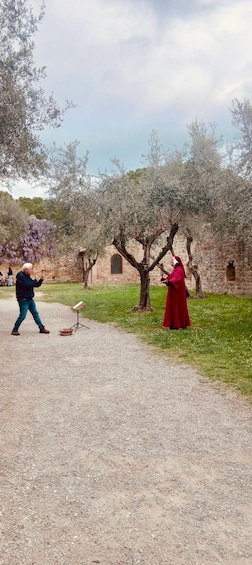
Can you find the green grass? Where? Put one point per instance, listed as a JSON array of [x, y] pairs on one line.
[[218, 343]]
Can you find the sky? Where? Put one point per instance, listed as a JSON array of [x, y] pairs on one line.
[[133, 66]]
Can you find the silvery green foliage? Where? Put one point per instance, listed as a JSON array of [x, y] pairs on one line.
[[203, 164], [240, 199], [242, 147], [133, 207], [24, 108], [131, 204], [67, 177], [217, 192], [13, 220], [74, 191]]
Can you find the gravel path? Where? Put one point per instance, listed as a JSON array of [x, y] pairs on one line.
[[113, 455]]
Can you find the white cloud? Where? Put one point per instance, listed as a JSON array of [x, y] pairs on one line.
[[132, 64], [22, 188]]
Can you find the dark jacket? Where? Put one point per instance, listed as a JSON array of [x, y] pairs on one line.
[[25, 286]]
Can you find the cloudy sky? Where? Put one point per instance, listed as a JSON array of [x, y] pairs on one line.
[[132, 66]]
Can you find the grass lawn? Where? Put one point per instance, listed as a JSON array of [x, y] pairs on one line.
[[219, 342]]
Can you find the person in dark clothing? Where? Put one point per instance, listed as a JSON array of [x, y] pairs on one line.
[[176, 312], [10, 274], [2, 279], [25, 293]]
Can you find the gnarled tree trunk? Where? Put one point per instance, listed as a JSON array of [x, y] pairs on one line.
[[86, 267], [145, 266], [194, 268], [144, 299]]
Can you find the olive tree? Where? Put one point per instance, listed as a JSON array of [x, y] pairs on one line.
[[140, 207], [239, 195], [202, 182], [24, 108], [13, 221], [218, 191], [73, 196], [35, 206], [242, 146], [222, 186]]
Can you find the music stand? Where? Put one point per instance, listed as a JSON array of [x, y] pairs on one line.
[[77, 309]]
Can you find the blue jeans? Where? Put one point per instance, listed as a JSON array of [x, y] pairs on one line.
[[24, 306]]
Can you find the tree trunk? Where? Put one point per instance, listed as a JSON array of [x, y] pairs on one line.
[[85, 277], [194, 269], [144, 267], [86, 268], [144, 299]]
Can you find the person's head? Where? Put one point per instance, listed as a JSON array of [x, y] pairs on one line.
[[27, 268], [177, 261], [174, 261]]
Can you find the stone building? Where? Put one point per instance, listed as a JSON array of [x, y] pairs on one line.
[[225, 268]]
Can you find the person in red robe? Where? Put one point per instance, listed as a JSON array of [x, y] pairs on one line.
[[176, 312]]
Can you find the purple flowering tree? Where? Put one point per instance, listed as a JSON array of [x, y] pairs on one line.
[[38, 242]]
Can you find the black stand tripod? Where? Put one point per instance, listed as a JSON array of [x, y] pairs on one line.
[[77, 309]]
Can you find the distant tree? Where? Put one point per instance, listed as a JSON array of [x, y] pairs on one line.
[[87, 258], [232, 219], [242, 146], [13, 221], [238, 196], [202, 171], [34, 206], [73, 197], [217, 192], [202, 182], [24, 108]]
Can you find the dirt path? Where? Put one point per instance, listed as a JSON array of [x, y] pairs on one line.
[[111, 454]]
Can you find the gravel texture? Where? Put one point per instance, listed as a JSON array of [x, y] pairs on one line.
[[112, 454]]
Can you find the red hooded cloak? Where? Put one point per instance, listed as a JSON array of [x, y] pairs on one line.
[[176, 311]]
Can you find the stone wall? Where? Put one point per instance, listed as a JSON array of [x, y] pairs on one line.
[[58, 269], [224, 268]]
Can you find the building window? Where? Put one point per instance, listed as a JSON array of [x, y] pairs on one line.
[[116, 265], [230, 271]]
